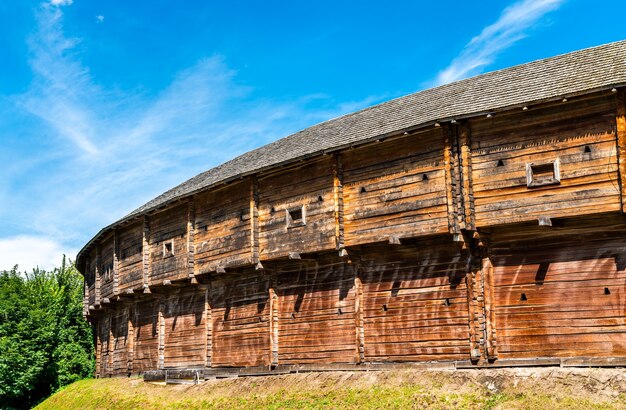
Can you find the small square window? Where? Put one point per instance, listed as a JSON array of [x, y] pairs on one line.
[[542, 174], [296, 217], [168, 248]]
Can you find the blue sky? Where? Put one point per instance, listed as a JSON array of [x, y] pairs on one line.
[[106, 104]]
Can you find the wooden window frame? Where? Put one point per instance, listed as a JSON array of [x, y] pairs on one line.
[[531, 182], [294, 223], [167, 253]]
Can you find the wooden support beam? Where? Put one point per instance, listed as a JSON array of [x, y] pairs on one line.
[[191, 222], [130, 342], [97, 274], [208, 314], [448, 159], [99, 326], [620, 122], [544, 221], [273, 300], [394, 240], [490, 312], [457, 177], [116, 266], [466, 167], [358, 318], [145, 253], [338, 201], [254, 221], [86, 289], [161, 330]]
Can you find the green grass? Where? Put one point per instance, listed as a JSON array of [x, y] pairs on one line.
[[392, 390]]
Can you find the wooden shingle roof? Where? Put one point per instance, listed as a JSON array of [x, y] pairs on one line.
[[580, 72]]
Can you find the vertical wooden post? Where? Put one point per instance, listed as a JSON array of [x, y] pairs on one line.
[[99, 348], [448, 164], [86, 277], [254, 221], [273, 299], [97, 273], [208, 314], [145, 253], [191, 221], [466, 164], [490, 314], [161, 324], [473, 316], [358, 316], [620, 122], [338, 201], [116, 265], [130, 343], [111, 342]]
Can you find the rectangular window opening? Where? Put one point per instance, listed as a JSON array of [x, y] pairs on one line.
[[168, 248], [547, 173], [296, 217]]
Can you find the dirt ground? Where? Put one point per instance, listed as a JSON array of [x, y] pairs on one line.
[[518, 388]]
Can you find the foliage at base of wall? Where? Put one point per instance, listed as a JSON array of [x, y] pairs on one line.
[[44, 341]]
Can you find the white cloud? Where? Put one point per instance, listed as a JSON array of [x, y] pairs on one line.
[[511, 27], [61, 84], [99, 18], [114, 150], [59, 3], [30, 252]]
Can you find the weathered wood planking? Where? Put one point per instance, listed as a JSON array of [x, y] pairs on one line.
[[222, 234], [620, 130], [105, 268], [185, 329], [146, 335], [169, 257], [90, 279], [395, 188], [240, 312], [130, 257], [296, 210], [118, 352], [580, 134], [316, 311], [560, 293], [414, 302], [273, 290], [103, 335]]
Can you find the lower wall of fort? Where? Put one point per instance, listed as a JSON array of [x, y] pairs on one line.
[[516, 292]]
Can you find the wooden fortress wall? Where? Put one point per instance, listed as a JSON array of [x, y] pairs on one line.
[[491, 240]]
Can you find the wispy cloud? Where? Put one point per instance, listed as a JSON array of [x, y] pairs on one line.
[[61, 2], [19, 251], [61, 84], [109, 151], [512, 26]]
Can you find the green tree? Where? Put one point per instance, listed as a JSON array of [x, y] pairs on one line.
[[44, 341]]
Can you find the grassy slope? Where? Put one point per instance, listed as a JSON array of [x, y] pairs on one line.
[[503, 389]]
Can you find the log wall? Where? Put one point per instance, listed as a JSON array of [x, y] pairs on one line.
[[400, 196], [296, 210], [581, 138], [130, 258], [415, 302], [479, 242], [222, 235], [168, 245]]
